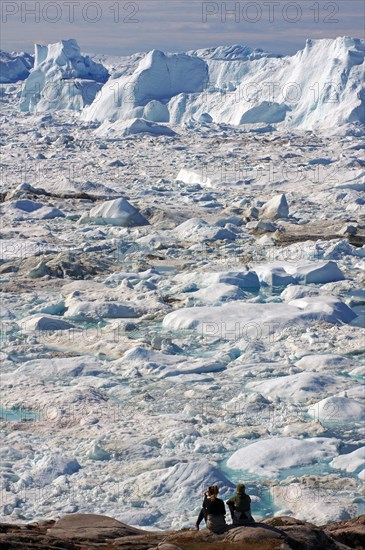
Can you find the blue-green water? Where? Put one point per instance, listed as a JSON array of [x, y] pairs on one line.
[[17, 414]]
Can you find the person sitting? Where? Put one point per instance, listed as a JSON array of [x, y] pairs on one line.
[[213, 511], [203, 512], [240, 507]]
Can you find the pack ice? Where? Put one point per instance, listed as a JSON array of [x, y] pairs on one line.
[[168, 321]]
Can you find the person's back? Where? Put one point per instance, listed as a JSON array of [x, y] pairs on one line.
[[216, 511], [240, 507]]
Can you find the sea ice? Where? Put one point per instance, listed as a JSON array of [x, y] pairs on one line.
[[269, 457], [161, 365], [120, 128], [338, 410], [99, 310], [350, 462], [42, 322], [116, 212], [302, 386], [325, 362]]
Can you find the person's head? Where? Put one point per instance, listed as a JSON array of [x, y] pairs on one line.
[[213, 492], [240, 489]]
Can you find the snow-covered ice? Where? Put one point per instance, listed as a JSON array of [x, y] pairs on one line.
[[115, 212], [270, 456]]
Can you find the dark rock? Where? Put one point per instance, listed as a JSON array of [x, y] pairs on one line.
[[91, 527], [91, 531], [351, 532]]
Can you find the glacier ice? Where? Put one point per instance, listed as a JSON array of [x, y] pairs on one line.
[[14, 66], [61, 79], [318, 87]]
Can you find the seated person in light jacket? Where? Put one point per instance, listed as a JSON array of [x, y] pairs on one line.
[[213, 511], [240, 507]]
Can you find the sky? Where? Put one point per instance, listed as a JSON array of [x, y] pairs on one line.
[[118, 27]]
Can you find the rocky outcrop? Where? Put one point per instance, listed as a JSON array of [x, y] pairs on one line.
[[89, 531], [350, 532]]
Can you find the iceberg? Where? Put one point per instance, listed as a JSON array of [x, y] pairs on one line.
[[120, 128], [116, 212], [61, 79], [14, 66], [158, 77], [320, 87], [269, 457]]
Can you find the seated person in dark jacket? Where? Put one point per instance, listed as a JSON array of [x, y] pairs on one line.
[[213, 511], [240, 507]]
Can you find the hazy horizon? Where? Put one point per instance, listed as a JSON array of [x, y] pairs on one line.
[[142, 25]]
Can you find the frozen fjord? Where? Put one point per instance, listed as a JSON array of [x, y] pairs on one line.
[[181, 304]]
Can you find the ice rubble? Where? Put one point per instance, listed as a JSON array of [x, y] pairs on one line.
[[14, 66], [179, 394], [318, 87], [161, 483], [52, 466], [198, 230], [61, 79]]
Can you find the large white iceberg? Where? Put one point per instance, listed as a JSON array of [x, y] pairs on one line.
[[285, 273], [99, 310], [318, 87], [61, 79], [158, 77], [41, 322]]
